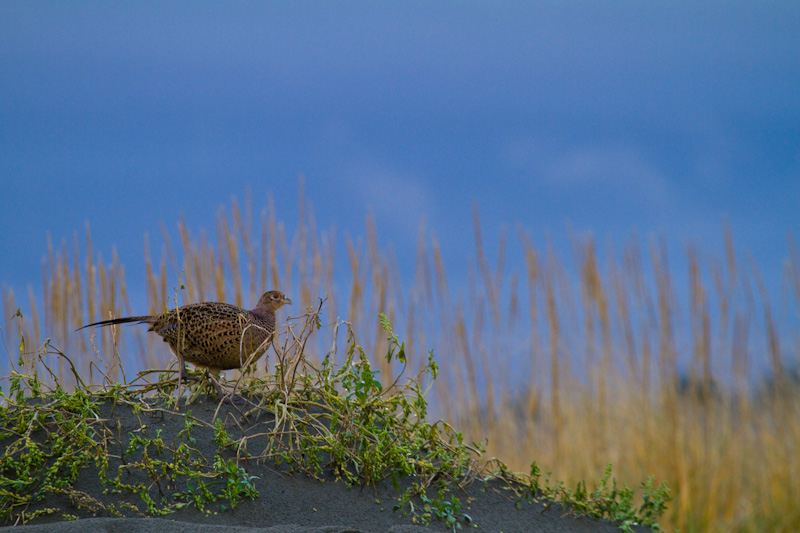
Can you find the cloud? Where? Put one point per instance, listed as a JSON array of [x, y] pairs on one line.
[[613, 167], [400, 200], [617, 169]]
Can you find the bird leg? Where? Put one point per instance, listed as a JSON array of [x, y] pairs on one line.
[[213, 376], [184, 374]]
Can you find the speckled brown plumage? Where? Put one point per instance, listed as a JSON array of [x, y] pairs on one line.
[[214, 335]]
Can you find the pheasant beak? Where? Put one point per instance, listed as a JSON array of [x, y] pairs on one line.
[[286, 301]]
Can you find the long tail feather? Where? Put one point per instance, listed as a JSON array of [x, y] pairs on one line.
[[139, 319]]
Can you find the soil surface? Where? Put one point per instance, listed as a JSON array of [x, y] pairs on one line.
[[292, 502]]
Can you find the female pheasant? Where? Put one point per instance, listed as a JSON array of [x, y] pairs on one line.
[[214, 335]]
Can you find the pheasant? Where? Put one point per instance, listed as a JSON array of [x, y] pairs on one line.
[[214, 335]]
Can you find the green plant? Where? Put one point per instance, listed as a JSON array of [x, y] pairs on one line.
[[52, 437], [605, 502]]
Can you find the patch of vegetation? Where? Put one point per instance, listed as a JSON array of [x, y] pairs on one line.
[[321, 420], [605, 502], [50, 439]]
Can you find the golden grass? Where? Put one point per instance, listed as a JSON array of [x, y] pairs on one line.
[[573, 366]]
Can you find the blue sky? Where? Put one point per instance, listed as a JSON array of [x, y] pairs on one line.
[[614, 117]]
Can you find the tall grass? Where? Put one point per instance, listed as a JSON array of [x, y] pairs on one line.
[[609, 357]]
